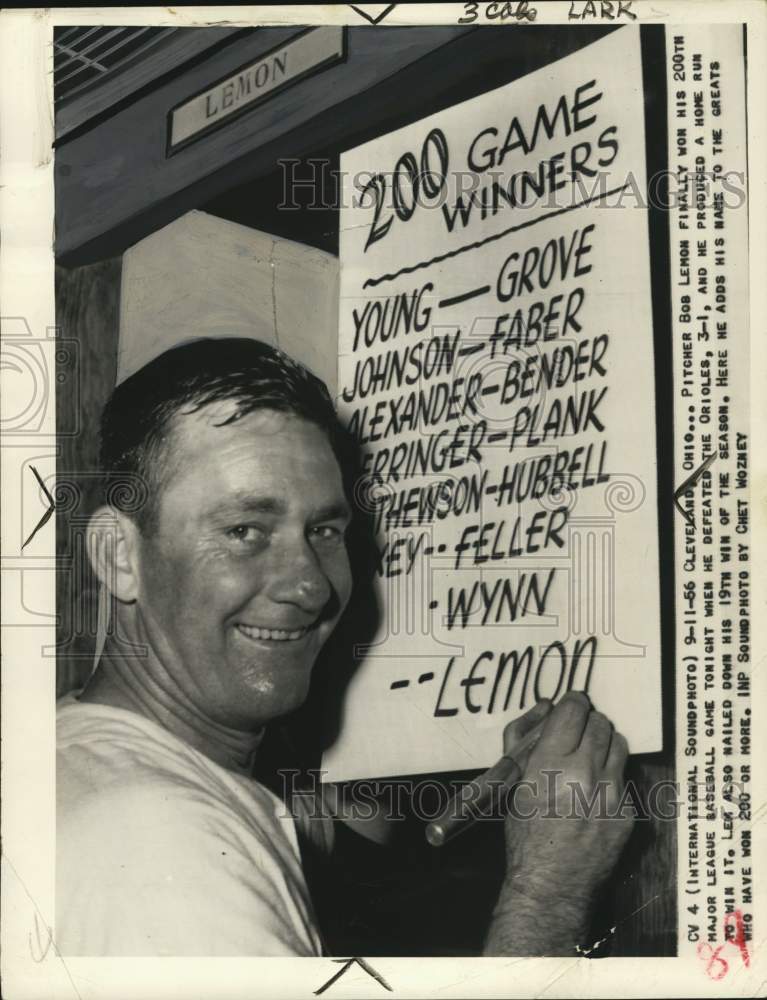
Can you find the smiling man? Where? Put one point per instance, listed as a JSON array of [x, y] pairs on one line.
[[226, 582]]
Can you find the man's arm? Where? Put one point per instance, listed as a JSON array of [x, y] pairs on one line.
[[558, 849]]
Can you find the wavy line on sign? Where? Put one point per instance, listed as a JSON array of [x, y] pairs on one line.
[[372, 282]]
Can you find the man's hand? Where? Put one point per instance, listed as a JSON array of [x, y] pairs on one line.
[[563, 836]]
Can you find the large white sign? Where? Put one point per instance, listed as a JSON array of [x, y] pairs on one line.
[[496, 366]]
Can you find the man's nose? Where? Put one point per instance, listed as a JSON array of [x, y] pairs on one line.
[[300, 578]]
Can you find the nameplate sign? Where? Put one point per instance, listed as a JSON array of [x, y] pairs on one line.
[[254, 83]]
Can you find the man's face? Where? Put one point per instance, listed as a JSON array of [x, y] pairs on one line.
[[246, 573]]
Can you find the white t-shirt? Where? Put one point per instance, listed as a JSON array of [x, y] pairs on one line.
[[161, 851]]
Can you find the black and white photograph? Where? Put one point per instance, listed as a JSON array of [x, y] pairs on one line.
[[381, 577]]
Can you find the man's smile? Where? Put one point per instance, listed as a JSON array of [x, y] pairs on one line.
[[273, 634]]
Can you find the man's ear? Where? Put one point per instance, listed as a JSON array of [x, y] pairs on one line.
[[113, 552]]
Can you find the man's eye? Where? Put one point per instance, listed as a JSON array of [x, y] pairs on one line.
[[328, 532], [244, 533]]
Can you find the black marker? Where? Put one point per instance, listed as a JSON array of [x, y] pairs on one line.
[[472, 801]]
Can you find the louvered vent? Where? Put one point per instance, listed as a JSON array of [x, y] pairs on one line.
[[84, 56]]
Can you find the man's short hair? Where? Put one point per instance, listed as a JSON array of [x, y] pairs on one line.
[[137, 420]]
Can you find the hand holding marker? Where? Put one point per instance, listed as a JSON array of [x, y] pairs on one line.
[[474, 799]]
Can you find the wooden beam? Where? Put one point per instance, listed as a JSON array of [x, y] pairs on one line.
[[109, 178], [124, 84]]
